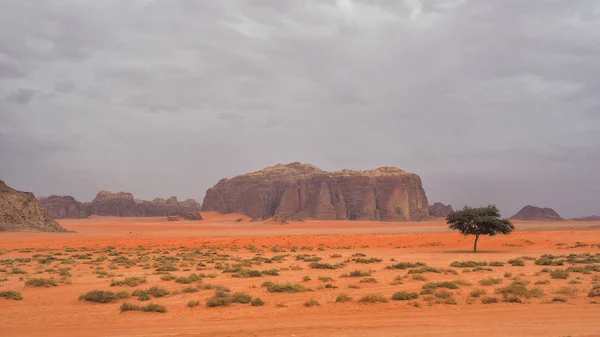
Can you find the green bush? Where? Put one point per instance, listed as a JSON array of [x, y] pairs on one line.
[[130, 281], [356, 273], [151, 307], [284, 288], [406, 265], [240, 297], [130, 307], [468, 264], [490, 281], [559, 274], [220, 299], [193, 303], [446, 284], [404, 296], [516, 263], [477, 292]]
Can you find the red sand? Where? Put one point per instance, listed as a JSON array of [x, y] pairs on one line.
[[57, 312]]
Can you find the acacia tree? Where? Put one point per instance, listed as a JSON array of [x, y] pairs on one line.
[[479, 221]]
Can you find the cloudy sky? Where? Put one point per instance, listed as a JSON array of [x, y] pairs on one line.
[[494, 101]]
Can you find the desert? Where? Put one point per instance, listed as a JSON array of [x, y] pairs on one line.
[[335, 278]]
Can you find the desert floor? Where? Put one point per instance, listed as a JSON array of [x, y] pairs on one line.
[[550, 287]]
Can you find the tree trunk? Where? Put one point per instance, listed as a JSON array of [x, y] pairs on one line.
[[475, 245]]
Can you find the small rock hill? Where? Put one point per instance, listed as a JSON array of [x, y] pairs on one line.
[[21, 211], [588, 218], [439, 210], [533, 213], [298, 191], [120, 204]]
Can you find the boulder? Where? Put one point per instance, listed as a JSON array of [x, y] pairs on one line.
[[534, 213], [298, 191], [439, 210], [194, 216], [21, 211]]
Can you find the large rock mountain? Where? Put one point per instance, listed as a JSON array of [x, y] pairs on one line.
[[21, 211], [299, 191], [533, 213], [120, 204], [439, 210]]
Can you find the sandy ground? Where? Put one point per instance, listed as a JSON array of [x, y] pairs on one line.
[[56, 311]]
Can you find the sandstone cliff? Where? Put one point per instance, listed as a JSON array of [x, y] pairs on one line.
[[120, 204], [299, 191], [439, 210], [533, 213], [21, 211]]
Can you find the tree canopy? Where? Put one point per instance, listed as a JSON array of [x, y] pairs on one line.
[[479, 221]]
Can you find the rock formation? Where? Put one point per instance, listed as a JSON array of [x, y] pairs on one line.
[[439, 210], [120, 204], [588, 218], [21, 211], [298, 191], [533, 213]]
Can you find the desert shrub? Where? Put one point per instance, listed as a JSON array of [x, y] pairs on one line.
[[271, 272], [404, 296], [468, 264], [257, 302], [517, 290], [241, 297], [151, 307], [368, 280], [325, 279], [595, 292], [130, 307], [122, 294], [559, 274], [570, 291], [496, 264], [489, 300], [312, 303], [188, 279], [558, 299], [442, 294], [158, 292], [419, 277], [450, 300], [99, 296], [477, 292], [11, 295], [536, 292], [41, 282], [541, 282], [193, 303], [319, 265], [406, 265], [341, 298], [130, 281], [490, 281], [220, 299], [16, 271], [306, 278], [370, 260], [168, 277], [445, 284], [516, 262], [425, 269], [247, 273], [284, 288], [356, 273], [544, 261], [373, 298]]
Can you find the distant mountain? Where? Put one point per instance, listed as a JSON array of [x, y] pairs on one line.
[[533, 213]]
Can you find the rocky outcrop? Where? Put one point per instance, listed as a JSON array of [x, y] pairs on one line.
[[120, 204], [298, 191], [61, 207], [533, 213], [21, 211], [439, 210], [588, 218]]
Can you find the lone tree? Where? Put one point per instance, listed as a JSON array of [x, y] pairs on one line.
[[479, 221]]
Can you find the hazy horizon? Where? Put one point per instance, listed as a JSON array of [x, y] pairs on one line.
[[487, 101]]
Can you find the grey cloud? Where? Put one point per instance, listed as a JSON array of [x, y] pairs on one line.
[[22, 96], [489, 101]]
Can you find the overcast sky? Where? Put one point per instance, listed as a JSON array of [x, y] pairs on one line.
[[494, 101]]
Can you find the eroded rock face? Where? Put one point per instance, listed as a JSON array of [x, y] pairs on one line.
[[61, 207], [588, 218], [120, 204], [21, 211], [533, 213], [298, 191], [439, 210]]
